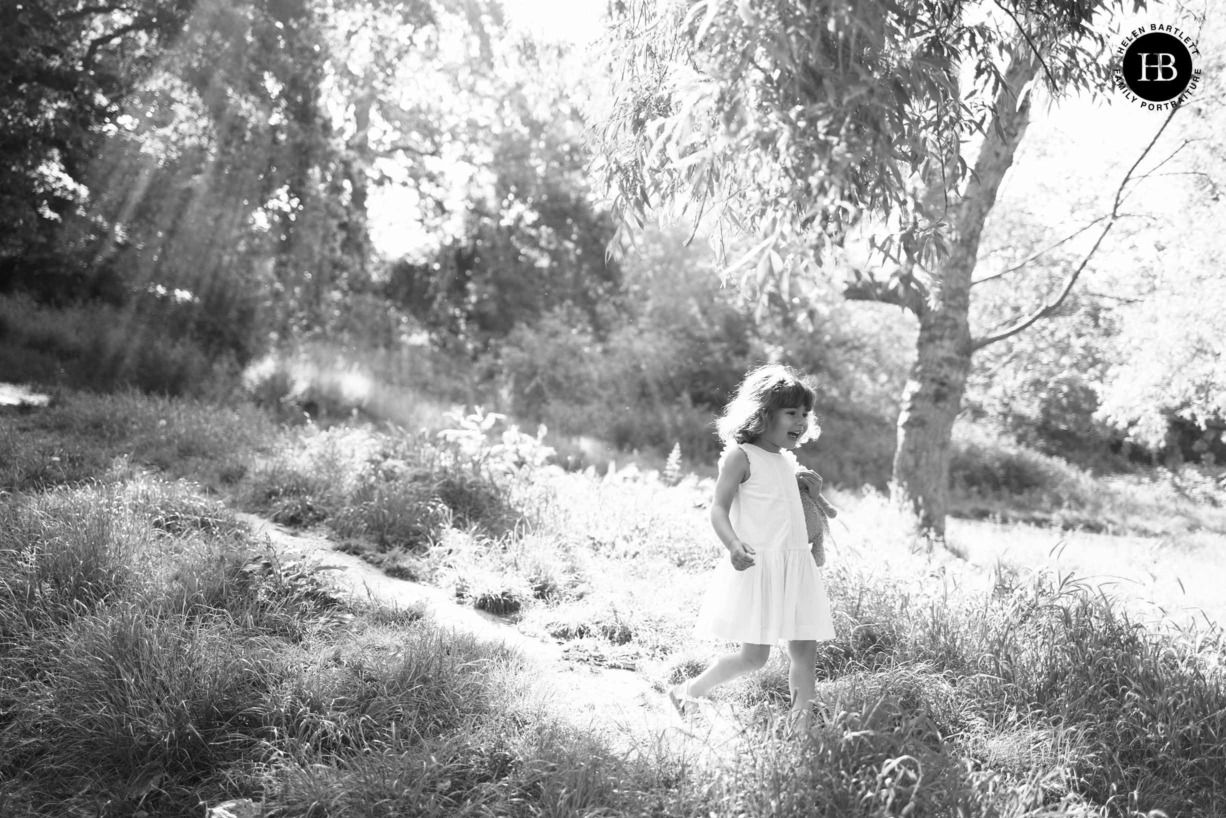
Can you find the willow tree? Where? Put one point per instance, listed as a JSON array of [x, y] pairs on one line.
[[809, 123]]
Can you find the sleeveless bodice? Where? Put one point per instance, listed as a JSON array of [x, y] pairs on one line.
[[766, 512]]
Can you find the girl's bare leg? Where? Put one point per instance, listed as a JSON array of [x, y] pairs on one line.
[[802, 681], [751, 657]]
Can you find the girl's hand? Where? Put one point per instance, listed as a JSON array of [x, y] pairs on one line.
[[742, 555], [812, 479]]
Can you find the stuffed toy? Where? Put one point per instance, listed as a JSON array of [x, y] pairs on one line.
[[818, 512]]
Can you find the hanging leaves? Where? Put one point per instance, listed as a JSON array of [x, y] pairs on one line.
[[816, 114]]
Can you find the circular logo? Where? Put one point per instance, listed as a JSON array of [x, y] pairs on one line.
[[1155, 67]]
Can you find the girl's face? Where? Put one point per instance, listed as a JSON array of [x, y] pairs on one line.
[[784, 429]]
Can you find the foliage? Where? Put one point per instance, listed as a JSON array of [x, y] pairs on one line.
[[657, 375], [799, 125], [1044, 390], [472, 442], [993, 476], [1120, 338], [69, 67], [173, 164], [218, 177], [399, 491], [1170, 364], [108, 348], [743, 109], [672, 359], [525, 236]]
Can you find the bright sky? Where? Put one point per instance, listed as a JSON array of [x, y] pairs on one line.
[[574, 20]]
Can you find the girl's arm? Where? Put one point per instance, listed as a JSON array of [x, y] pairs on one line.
[[733, 471]]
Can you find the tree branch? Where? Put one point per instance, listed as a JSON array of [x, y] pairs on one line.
[[405, 147], [1051, 306], [1120, 298], [867, 288], [1152, 172], [1040, 253], [45, 15], [87, 11], [122, 31], [1050, 76]]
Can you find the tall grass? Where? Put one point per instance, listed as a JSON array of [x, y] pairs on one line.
[[61, 556], [153, 656], [1141, 705], [125, 689]]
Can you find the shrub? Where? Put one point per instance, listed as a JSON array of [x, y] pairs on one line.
[[398, 490], [316, 469], [856, 447], [406, 514], [105, 348], [993, 476], [987, 465], [620, 388]]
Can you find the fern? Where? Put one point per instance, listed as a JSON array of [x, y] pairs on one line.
[[672, 466]]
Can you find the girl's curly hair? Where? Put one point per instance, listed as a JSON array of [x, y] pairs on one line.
[[764, 390]]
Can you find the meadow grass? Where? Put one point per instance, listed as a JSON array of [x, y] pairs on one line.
[[155, 658], [993, 477], [81, 437]]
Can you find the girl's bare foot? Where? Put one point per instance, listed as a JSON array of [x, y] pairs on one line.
[[799, 722], [679, 697]]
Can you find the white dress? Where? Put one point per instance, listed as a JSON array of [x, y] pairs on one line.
[[782, 595]]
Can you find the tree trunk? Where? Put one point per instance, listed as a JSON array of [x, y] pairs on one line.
[[356, 244], [935, 385]]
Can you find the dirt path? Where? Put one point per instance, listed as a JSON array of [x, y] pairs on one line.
[[623, 707]]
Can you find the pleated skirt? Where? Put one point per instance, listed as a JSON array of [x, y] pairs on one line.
[[782, 597]]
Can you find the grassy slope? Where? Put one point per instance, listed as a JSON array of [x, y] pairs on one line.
[[153, 656]]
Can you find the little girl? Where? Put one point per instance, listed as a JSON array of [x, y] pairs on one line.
[[770, 588]]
